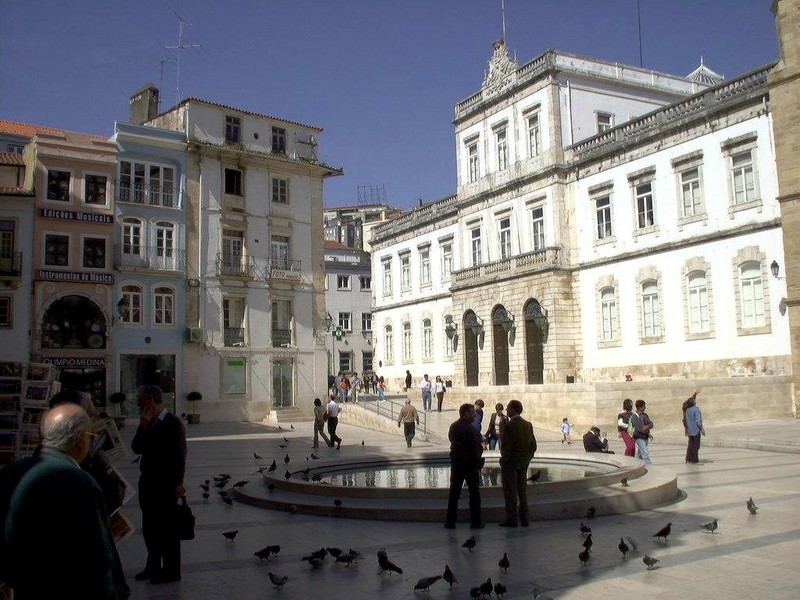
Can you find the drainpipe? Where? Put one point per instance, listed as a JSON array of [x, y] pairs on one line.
[[569, 112]]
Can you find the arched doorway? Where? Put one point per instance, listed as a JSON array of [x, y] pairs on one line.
[[473, 329], [501, 326], [535, 337], [73, 322]]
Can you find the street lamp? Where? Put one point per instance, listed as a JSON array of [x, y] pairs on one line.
[[775, 268]]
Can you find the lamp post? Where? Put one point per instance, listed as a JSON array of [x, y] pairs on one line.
[[328, 325]]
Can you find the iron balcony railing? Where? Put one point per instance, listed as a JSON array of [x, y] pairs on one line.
[[281, 337], [235, 266], [11, 265], [154, 195], [149, 257]]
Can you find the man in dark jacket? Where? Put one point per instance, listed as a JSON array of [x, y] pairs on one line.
[[516, 453], [593, 442], [161, 441], [56, 541], [465, 465]]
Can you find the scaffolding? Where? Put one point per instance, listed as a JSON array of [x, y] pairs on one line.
[[371, 193]]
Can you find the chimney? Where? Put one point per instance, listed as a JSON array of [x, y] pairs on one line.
[[144, 104]]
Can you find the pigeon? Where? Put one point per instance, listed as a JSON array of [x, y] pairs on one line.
[[587, 543], [285, 440], [623, 547], [751, 506], [449, 576], [590, 512], [711, 526], [320, 554], [230, 535], [288, 474], [271, 487], [426, 582], [281, 445], [273, 466], [286, 459], [315, 562], [278, 580], [632, 543], [385, 564], [584, 556], [362, 443], [356, 555], [624, 482], [206, 495], [257, 457], [261, 469], [504, 563], [337, 503], [264, 553], [204, 487], [663, 532], [227, 500], [475, 592], [280, 428], [314, 456], [499, 589], [535, 477], [347, 558], [585, 529], [221, 484], [470, 543], [334, 552], [649, 561], [242, 483], [291, 426], [486, 587], [221, 477]]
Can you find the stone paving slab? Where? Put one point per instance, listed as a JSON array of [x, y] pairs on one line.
[[748, 555]]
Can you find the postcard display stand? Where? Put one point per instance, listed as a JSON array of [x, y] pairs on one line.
[[25, 389]]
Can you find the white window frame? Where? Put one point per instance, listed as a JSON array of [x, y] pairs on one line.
[[533, 126], [538, 228], [473, 161], [476, 250], [501, 147], [651, 309], [604, 121], [698, 302], [345, 321], [131, 295], [425, 266], [154, 185], [447, 260], [343, 282], [387, 276], [744, 180], [604, 224], [609, 314], [504, 237], [365, 282], [163, 306], [388, 345], [405, 272], [751, 294], [366, 321], [133, 240], [691, 185], [644, 205], [427, 339], [233, 129], [407, 346], [280, 251], [280, 190]]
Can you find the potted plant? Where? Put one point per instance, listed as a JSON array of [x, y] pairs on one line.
[[117, 399], [192, 397]]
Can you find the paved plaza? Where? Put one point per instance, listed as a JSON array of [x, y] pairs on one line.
[[747, 555]]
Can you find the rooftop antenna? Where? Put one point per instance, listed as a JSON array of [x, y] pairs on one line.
[[639, 17], [180, 46], [503, 17]]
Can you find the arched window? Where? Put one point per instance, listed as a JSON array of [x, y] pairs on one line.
[[698, 302], [608, 314], [73, 322], [427, 339], [388, 344], [407, 342], [132, 243], [165, 244], [751, 294], [651, 309], [131, 305], [163, 306]]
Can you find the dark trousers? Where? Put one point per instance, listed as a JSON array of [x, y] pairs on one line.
[[410, 430], [160, 537], [333, 422], [458, 475], [693, 448], [515, 493], [439, 399]]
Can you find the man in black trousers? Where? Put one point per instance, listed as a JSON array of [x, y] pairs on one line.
[[466, 461], [161, 441]]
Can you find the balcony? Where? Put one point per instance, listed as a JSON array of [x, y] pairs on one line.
[[281, 337], [234, 336], [127, 256], [283, 269], [514, 267], [11, 265], [235, 266], [152, 195]]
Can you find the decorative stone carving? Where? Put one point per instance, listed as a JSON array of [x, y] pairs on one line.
[[502, 70]]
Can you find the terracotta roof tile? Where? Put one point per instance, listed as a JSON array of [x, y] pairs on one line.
[[241, 110], [11, 159], [15, 191], [25, 130]]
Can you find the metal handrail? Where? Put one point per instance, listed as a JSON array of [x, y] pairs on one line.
[[391, 410]]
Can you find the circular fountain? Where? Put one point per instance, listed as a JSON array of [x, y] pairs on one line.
[[415, 488]]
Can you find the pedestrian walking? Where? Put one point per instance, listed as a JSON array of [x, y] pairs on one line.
[[439, 389], [409, 418], [320, 416], [426, 387], [355, 387], [381, 389], [693, 426], [623, 419], [409, 380], [333, 410], [641, 430]]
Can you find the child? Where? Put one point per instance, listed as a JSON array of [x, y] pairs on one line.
[[565, 428]]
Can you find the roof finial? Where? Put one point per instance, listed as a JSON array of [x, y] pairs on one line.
[[503, 17]]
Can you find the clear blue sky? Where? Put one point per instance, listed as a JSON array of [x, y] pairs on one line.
[[380, 76]]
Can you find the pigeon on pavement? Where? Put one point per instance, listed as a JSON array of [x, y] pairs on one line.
[[584, 556], [449, 576], [470, 543], [426, 582], [711, 526], [387, 565], [663, 532], [623, 547], [649, 561], [278, 580], [751, 506], [585, 529], [504, 563], [230, 535], [499, 589]]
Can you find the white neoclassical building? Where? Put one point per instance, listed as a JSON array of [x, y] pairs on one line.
[[612, 236]]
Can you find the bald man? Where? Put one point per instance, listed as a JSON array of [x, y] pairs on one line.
[[56, 538]]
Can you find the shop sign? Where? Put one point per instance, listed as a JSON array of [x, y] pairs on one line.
[[72, 215], [75, 362], [76, 276]]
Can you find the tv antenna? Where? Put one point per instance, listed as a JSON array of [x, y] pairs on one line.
[[179, 47], [503, 17]]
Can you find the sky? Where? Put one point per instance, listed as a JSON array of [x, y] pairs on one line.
[[381, 77]]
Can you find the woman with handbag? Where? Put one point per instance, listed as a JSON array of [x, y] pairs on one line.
[[320, 416], [623, 419]]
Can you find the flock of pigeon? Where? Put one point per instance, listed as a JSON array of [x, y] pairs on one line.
[[482, 591]]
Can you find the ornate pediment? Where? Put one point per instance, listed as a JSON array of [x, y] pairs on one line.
[[502, 70]]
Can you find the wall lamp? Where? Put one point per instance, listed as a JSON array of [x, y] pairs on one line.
[[121, 306], [775, 268]]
